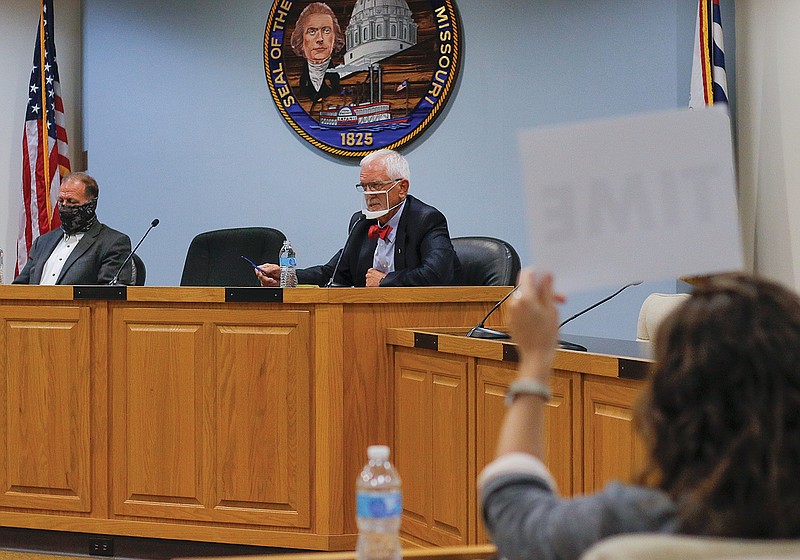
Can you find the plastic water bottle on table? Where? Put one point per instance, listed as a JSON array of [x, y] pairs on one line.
[[379, 506]]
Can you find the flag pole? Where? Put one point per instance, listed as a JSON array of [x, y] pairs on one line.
[[45, 128]]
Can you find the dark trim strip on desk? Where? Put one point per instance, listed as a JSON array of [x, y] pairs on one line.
[[636, 369], [116, 292], [426, 341], [253, 295], [510, 353], [633, 369]]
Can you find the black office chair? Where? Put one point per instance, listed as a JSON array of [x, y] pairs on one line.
[[139, 271], [215, 258], [486, 261]]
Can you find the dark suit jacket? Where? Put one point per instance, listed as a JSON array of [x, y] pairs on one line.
[[95, 260], [330, 84], [423, 253]]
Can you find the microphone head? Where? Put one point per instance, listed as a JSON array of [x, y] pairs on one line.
[[155, 222], [636, 283]]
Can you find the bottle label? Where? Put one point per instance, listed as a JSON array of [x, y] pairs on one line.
[[288, 261], [379, 505]]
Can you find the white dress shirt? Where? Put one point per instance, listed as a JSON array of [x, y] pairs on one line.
[[54, 265]]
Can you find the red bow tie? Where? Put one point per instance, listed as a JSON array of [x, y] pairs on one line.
[[376, 231]]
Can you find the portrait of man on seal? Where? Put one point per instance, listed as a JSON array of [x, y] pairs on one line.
[[354, 76], [317, 37]]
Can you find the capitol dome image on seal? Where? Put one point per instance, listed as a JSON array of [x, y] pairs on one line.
[[353, 77]]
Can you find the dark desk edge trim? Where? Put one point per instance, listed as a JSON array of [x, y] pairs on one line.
[[117, 292], [633, 369], [510, 353], [426, 341], [253, 295]]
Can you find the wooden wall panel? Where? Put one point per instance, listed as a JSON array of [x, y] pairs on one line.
[[561, 423], [431, 449], [411, 452], [450, 453], [368, 398], [212, 415], [492, 382], [613, 450], [331, 493], [157, 375], [562, 429], [262, 419], [45, 430]]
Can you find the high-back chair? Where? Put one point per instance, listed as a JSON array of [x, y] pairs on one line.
[[139, 271], [215, 258], [654, 310], [486, 261]]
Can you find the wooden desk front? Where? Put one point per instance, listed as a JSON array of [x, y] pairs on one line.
[[449, 393], [209, 414]]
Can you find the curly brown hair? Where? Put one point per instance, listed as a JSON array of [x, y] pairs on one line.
[[721, 413]]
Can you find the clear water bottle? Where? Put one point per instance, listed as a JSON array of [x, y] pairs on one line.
[[288, 262], [379, 505]]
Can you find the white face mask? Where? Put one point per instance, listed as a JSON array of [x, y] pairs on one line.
[[375, 214]]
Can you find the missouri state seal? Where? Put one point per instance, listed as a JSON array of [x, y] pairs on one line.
[[353, 77]]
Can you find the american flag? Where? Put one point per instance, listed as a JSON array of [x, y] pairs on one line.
[[709, 81], [403, 85], [44, 141]]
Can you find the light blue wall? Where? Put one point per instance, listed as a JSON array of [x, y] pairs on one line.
[[179, 123]]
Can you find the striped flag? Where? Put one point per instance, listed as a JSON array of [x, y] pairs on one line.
[[44, 141], [709, 81], [403, 85]]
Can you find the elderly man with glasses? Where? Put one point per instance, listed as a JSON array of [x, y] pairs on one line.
[[396, 239]]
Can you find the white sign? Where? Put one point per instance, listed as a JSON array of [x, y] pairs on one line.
[[646, 197]]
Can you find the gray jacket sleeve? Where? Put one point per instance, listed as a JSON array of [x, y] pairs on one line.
[[528, 520]]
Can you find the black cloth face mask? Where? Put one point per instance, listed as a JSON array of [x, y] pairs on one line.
[[75, 219]]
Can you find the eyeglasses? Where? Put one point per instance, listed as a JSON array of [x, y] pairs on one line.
[[374, 187]]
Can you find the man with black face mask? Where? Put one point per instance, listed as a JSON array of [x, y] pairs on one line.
[[82, 250]]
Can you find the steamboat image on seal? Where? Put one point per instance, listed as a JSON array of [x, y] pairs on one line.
[[352, 77]]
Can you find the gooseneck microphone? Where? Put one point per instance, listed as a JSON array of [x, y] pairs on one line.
[[341, 254], [601, 302], [571, 345], [479, 331], [114, 280]]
